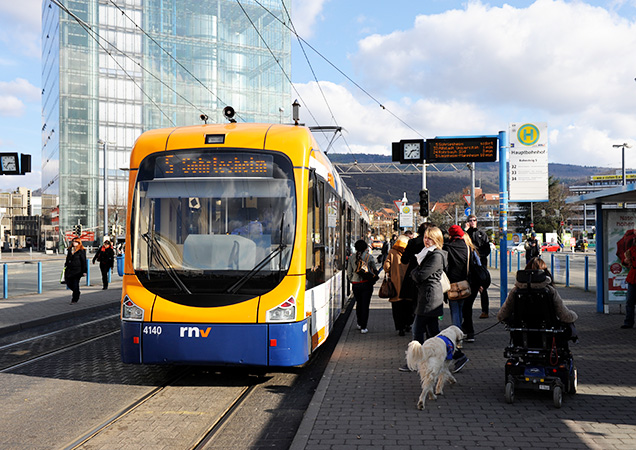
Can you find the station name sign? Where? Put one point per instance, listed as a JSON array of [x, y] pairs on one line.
[[449, 150]]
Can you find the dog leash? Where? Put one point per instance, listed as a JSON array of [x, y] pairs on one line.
[[492, 326]]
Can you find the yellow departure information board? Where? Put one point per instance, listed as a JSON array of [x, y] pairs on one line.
[[449, 150]]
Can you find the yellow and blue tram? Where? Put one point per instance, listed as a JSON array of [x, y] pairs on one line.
[[236, 246]]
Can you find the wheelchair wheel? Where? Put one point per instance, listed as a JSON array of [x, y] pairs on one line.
[[510, 392], [557, 396]]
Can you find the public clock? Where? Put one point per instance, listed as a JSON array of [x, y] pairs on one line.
[[9, 163], [412, 151]]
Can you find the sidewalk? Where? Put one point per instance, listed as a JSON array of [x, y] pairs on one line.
[[363, 401], [17, 313]]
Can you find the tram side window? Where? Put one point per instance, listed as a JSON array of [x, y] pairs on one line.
[[315, 233]]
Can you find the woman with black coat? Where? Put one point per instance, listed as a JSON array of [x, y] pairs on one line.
[[427, 277], [106, 257], [75, 268]]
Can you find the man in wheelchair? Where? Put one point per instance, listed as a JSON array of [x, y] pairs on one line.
[[540, 327]]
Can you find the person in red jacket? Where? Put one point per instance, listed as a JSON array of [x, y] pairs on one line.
[[630, 260]]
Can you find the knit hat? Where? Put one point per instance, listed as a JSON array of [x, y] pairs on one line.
[[455, 230]]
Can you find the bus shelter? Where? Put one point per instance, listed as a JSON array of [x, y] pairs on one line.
[[615, 233]]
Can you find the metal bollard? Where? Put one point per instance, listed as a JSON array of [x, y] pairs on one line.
[[39, 277], [552, 267], [5, 284], [586, 274], [496, 259], [567, 270], [88, 272]]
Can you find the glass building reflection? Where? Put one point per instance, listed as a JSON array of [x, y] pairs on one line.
[[114, 69]]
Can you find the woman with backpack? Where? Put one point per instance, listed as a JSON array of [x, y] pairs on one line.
[[362, 274]]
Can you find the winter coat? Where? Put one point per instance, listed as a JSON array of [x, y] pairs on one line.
[[427, 277], [480, 240], [562, 312], [75, 264], [413, 247], [395, 269], [457, 260], [353, 262], [105, 256]]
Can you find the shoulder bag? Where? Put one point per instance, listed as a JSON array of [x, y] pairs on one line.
[[387, 288], [461, 289]]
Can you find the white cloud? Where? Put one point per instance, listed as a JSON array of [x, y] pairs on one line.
[[20, 26], [21, 88], [305, 14], [11, 106], [13, 94], [474, 70]]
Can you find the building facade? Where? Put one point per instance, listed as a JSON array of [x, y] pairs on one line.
[[112, 70]]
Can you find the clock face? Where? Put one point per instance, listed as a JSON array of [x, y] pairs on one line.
[[412, 150], [9, 163]]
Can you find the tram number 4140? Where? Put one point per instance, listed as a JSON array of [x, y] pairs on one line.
[[152, 330]]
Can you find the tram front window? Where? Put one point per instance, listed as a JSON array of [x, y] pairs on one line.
[[207, 236]]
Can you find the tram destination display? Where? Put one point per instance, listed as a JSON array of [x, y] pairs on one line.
[[185, 165], [449, 150]]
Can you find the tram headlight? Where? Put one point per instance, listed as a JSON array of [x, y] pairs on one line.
[[285, 312], [130, 311]]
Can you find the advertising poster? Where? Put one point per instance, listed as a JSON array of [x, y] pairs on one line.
[[621, 232]]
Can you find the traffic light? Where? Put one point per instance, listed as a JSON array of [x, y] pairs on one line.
[[395, 225], [77, 230], [424, 203]]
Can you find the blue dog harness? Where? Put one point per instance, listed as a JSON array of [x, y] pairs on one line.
[[450, 347]]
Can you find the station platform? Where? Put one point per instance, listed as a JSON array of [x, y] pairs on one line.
[[27, 311], [364, 402]]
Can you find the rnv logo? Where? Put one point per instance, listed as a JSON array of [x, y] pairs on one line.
[[194, 332]]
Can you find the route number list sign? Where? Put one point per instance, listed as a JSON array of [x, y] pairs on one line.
[[528, 159]]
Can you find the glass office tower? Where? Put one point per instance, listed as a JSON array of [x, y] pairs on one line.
[[114, 69]]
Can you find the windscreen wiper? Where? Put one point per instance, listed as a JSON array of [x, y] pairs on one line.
[[155, 249], [258, 267]]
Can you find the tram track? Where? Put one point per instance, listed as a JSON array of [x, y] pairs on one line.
[[23, 354]]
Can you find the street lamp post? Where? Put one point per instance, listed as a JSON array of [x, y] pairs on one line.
[[105, 187], [623, 146]]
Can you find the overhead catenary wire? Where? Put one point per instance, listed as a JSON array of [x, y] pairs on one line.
[[333, 117], [154, 41], [274, 56], [90, 32], [339, 70]]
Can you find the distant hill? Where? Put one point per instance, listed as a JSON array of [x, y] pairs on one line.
[[391, 187]]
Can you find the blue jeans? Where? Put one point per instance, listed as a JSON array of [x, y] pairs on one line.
[[630, 306], [456, 312], [425, 327]]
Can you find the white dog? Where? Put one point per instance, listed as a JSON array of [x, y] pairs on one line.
[[432, 360]]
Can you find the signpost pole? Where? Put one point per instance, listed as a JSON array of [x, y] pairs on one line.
[[503, 214]]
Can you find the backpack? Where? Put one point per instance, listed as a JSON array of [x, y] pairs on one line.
[[363, 270]]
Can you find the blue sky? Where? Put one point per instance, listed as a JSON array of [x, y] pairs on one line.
[[443, 67]]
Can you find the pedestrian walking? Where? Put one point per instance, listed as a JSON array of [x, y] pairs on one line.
[[413, 247], [106, 257], [362, 274], [481, 241], [75, 268], [532, 247], [402, 309]]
